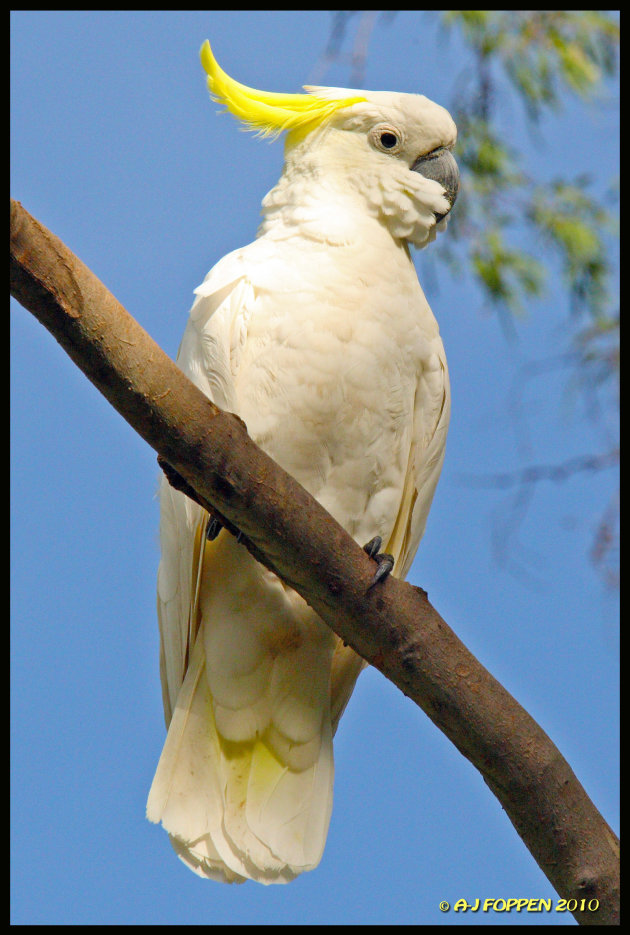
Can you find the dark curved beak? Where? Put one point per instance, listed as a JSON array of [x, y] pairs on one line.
[[440, 166]]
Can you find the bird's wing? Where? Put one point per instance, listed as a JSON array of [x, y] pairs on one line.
[[207, 356], [426, 454], [182, 525], [244, 784], [431, 417]]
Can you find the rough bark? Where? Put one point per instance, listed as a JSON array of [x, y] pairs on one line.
[[393, 626]]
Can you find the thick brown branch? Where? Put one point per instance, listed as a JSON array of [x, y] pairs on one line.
[[393, 626]]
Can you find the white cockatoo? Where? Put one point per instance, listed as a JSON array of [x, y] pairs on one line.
[[319, 336]]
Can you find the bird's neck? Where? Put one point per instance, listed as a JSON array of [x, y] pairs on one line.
[[318, 205]]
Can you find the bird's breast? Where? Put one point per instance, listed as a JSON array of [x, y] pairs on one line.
[[327, 385]]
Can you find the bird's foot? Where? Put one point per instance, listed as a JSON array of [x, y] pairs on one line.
[[385, 561], [214, 527], [177, 482]]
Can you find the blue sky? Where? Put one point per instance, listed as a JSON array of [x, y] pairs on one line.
[[117, 148]]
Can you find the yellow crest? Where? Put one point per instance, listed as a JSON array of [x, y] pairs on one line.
[[269, 113]]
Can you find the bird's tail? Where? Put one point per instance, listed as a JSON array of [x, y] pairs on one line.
[[234, 810]]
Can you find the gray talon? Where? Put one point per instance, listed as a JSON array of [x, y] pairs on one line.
[[213, 528], [385, 561], [373, 546]]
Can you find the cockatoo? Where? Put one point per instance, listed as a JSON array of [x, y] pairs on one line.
[[319, 336]]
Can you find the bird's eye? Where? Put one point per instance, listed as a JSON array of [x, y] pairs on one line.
[[386, 138]]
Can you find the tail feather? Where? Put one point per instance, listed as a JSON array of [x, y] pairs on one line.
[[185, 794], [235, 810], [203, 859], [292, 810]]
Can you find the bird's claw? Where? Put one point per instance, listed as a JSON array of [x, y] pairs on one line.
[[213, 528], [385, 561], [373, 546]]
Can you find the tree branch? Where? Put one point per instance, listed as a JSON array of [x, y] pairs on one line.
[[393, 626], [557, 473]]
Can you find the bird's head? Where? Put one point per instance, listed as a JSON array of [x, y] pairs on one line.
[[394, 150]]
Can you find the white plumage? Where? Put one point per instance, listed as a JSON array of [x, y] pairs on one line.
[[319, 336]]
